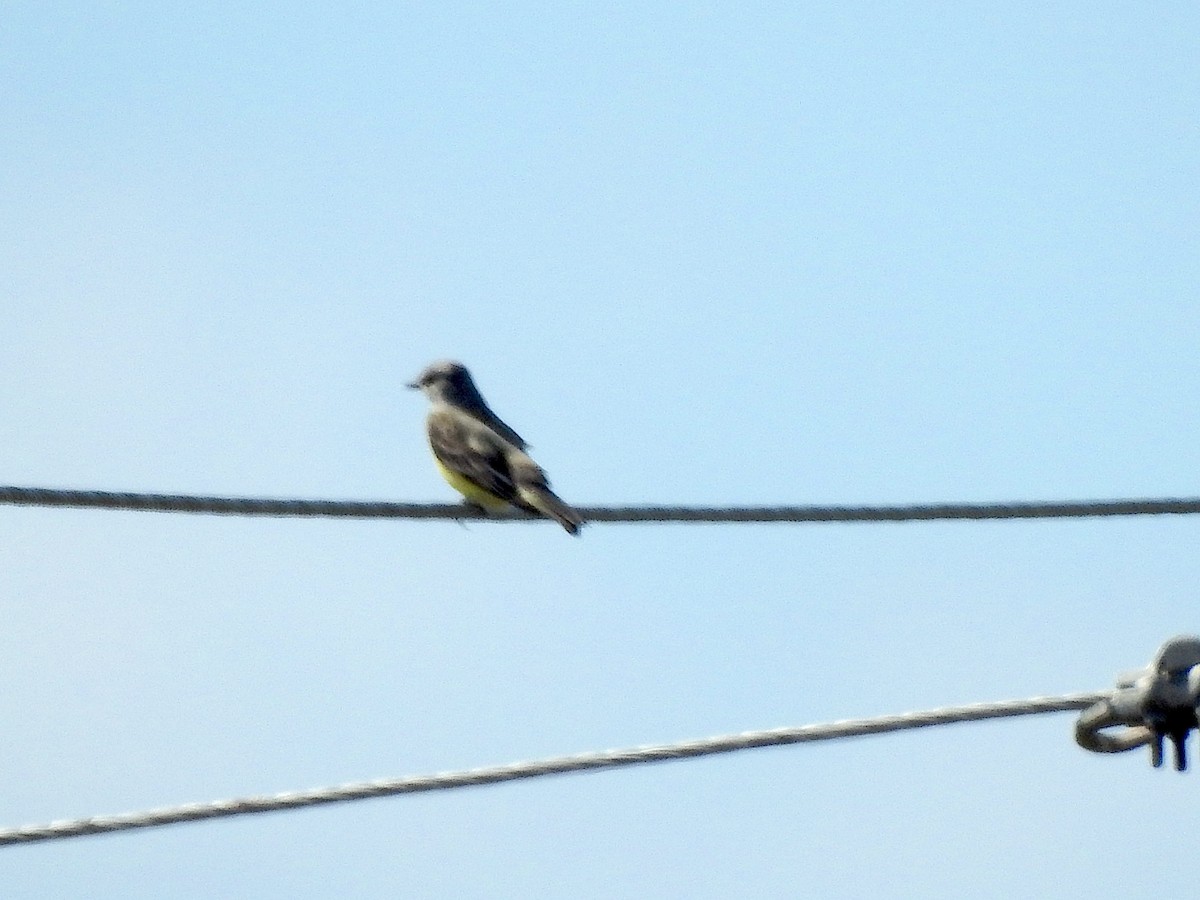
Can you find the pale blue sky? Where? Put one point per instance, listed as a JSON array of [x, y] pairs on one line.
[[865, 253]]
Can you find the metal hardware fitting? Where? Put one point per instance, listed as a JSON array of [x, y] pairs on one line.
[[1160, 701]]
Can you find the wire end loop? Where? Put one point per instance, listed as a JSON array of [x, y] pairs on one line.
[[1149, 707]]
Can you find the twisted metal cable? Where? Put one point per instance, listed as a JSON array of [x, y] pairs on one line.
[[369, 509], [609, 759]]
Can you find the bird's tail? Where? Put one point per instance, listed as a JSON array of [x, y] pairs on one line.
[[545, 501], [534, 494]]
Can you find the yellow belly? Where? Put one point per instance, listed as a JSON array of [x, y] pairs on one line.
[[473, 492]]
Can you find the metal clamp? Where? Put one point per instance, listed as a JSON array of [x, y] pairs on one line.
[[1160, 701]]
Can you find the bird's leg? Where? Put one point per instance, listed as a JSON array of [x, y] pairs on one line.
[[474, 507]]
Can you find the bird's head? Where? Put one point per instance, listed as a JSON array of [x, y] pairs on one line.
[[445, 379]]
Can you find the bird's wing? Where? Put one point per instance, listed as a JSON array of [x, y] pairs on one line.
[[470, 449]]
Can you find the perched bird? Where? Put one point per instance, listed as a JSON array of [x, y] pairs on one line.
[[481, 457]]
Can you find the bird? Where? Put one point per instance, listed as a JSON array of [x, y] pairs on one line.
[[478, 454]]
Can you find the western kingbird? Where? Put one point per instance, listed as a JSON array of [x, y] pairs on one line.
[[481, 457]]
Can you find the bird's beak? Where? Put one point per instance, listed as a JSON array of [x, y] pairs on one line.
[[413, 386]]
